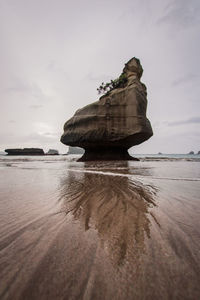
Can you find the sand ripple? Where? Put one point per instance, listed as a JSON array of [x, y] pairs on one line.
[[98, 232]]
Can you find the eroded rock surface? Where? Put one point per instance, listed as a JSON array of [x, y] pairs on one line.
[[106, 129]]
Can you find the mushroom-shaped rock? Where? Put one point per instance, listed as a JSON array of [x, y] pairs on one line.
[[106, 129]]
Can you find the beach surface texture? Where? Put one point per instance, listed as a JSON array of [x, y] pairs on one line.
[[109, 230]]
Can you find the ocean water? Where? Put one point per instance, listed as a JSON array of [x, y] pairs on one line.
[[194, 157], [99, 230]]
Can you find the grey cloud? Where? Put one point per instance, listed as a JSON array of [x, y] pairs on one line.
[[36, 106], [25, 88], [182, 13], [33, 137], [193, 120], [54, 67], [185, 79], [41, 138], [50, 134], [100, 78]]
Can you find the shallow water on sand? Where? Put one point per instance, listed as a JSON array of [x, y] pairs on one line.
[[109, 230]]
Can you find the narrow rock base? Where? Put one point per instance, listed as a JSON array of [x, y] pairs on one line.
[[93, 154]]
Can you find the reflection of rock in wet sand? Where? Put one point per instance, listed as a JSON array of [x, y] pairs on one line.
[[102, 240], [116, 207]]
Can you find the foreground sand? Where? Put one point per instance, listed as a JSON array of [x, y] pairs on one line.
[[99, 231]]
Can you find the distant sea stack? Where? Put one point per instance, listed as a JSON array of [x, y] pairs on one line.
[[75, 150], [52, 152], [25, 151], [106, 129]]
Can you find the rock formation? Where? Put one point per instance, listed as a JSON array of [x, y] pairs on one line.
[[106, 129], [52, 152], [75, 150], [25, 151], [191, 153]]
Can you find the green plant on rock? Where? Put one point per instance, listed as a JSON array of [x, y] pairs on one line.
[[105, 88]]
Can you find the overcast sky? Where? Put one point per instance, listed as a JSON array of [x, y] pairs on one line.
[[55, 53]]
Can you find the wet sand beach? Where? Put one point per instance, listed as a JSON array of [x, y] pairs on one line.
[[109, 230]]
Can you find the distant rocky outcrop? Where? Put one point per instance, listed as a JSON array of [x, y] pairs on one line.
[[52, 152], [25, 151], [106, 129], [191, 152], [198, 153], [75, 150]]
